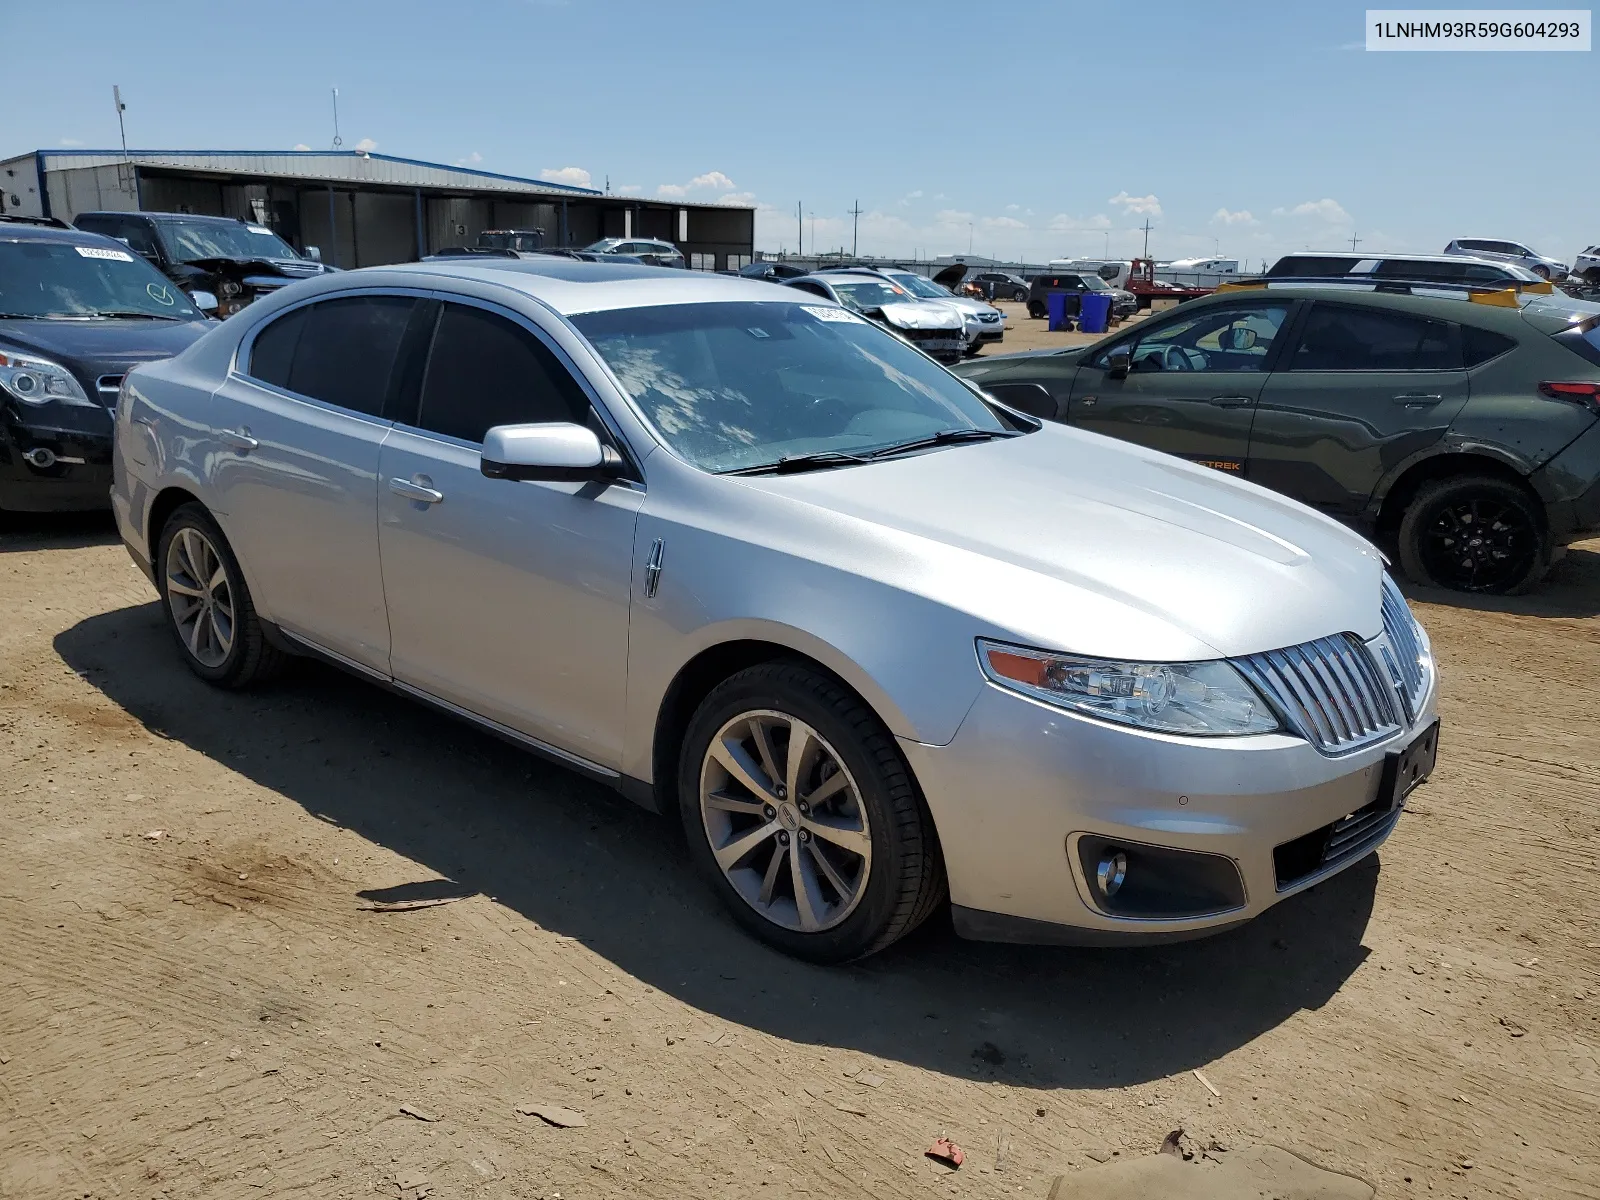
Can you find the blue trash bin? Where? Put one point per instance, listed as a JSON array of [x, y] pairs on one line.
[[1055, 305], [1094, 312]]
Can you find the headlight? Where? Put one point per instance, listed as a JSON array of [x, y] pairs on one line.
[[1205, 699], [40, 381]]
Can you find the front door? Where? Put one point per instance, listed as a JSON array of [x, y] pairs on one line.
[[295, 468], [1361, 391], [506, 599], [1192, 386]]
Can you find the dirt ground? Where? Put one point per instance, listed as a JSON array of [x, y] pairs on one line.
[[203, 995]]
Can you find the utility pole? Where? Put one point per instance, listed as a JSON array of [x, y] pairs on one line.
[[337, 140], [800, 220], [1147, 237], [855, 228], [125, 177], [969, 239], [116, 94], [1354, 241], [1107, 232]]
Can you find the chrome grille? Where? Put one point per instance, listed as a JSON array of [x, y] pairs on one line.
[[1401, 627], [108, 387], [1330, 690]]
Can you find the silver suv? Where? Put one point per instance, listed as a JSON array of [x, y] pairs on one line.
[[879, 642], [1513, 252]]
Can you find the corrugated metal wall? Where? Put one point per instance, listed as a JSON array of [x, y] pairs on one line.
[[91, 189]]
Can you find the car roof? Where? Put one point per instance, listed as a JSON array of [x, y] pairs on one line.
[[175, 215], [573, 286], [1447, 303], [22, 231]]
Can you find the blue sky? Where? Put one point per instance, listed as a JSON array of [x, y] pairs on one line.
[[1027, 128]]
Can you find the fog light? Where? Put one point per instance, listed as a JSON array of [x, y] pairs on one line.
[[1113, 869]]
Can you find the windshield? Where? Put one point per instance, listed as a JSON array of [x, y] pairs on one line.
[[188, 241], [62, 280], [1095, 284], [919, 286], [603, 245], [737, 385], [870, 293]]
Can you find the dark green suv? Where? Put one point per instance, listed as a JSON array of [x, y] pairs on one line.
[[1461, 426]]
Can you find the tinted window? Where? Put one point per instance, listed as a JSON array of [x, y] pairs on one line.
[[138, 235], [1480, 345], [1309, 265], [1351, 339], [485, 371], [346, 351], [273, 352]]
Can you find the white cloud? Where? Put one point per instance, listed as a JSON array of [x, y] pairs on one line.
[[366, 146], [672, 190], [952, 216], [575, 176], [301, 146], [1013, 207], [1243, 217], [71, 142], [910, 196], [470, 160], [1147, 206], [712, 179], [1067, 223], [1328, 210], [1003, 222], [629, 189], [740, 199]]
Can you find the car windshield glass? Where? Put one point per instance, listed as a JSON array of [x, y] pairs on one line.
[[603, 245], [918, 286], [870, 293], [737, 385], [60, 279], [1095, 284], [189, 241]]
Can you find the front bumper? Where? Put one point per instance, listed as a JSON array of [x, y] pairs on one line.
[[1023, 783], [78, 480]]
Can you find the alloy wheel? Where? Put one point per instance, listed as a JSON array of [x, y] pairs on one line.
[[785, 820], [1479, 545], [200, 596]]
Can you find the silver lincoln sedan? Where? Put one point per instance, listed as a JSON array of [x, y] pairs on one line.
[[879, 641]]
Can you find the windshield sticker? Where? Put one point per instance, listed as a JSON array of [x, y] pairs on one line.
[[159, 293], [827, 314], [259, 229], [104, 252]]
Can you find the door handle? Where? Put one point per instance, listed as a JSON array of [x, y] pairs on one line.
[[1231, 401], [1418, 399], [239, 439], [415, 491]]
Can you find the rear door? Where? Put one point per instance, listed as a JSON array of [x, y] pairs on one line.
[[1361, 390], [1193, 385]]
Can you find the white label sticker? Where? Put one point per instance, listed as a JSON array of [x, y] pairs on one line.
[[828, 314], [104, 252], [259, 229]]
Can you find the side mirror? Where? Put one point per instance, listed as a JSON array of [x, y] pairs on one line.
[[1031, 398], [314, 253], [1119, 364], [1241, 337], [204, 301], [557, 452]]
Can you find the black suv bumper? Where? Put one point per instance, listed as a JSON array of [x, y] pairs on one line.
[[77, 474]]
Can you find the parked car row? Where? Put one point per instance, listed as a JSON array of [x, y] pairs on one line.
[[881, 642]]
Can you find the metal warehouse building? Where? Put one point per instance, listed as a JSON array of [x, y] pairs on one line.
[[362, 209]]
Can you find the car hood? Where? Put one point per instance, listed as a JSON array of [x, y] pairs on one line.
[[290, 268], [115, 345], [965, 304], [922, 314], [1078, 542]]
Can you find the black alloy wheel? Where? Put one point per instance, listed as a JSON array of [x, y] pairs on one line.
[[1475, 534]]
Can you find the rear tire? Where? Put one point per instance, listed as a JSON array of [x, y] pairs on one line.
[[1475, 533], [208, 604], [1036, 310], [856, 901]]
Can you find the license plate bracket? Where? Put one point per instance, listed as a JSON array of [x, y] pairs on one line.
[[1405, 770]]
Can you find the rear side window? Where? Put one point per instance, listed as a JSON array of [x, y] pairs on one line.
[[1336, 338], [1480, 345], [485, 371], [1312, 266], [340, 352]]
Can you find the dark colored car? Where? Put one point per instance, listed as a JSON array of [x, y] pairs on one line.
[[234, 259], [76, 312], [511, 239], [1465, 434], [776, 272], [1075, 284], [1001, 285]]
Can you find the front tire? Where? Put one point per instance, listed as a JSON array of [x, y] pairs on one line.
[[208, 605], [803, 816], [1020, 296], [1475, 533]]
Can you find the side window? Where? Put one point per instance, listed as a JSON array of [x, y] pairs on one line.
[[485, 371], [346, 351], [814, 288], [1480, 345], [1215, 339], [1352, 339], [273, 352], [138, 236]]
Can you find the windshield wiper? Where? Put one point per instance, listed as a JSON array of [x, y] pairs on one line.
[[118, 313], [790, 463], [945, 437]]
